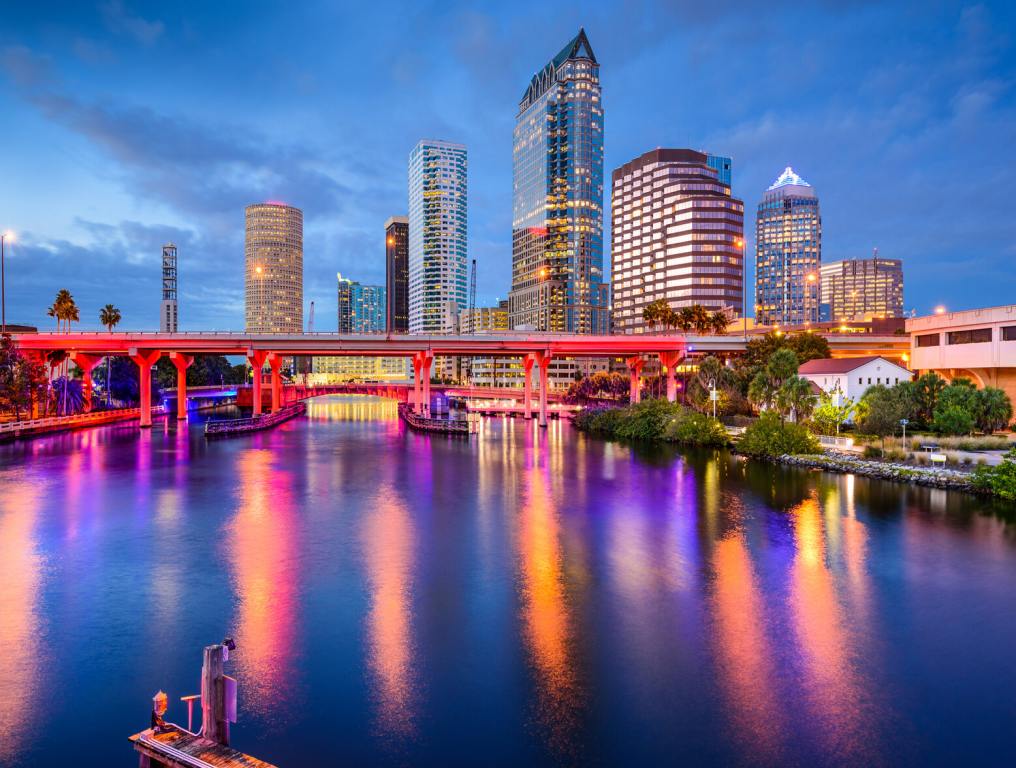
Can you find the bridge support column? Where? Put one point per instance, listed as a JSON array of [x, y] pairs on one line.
[[635, 370], [87, 364], [182, 363], [428, 360], [257, 361], [145, 359], [543, 361], [670, 361], [527, 388], [416, 396], [275, 363]]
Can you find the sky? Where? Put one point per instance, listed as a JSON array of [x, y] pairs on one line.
[[126, 125]]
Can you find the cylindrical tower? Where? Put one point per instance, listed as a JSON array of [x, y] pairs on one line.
[[274, 268]]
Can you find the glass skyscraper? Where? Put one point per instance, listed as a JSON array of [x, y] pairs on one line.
[[361, 307], [557, 222], [397, 273], [788, 253], [437, 236]]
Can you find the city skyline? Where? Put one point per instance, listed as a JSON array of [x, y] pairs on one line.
[[121, 197]]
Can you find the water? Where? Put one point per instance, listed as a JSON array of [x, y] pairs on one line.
[[516, 598]]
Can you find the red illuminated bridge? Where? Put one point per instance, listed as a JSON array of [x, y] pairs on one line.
[[535, 349]]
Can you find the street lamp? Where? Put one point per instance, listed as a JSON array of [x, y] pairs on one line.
[[940, 310], [713, 394], [739, 244], [8, 235]]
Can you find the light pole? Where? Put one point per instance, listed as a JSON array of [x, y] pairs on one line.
[[713, 395], [739, 243], [3, 281]]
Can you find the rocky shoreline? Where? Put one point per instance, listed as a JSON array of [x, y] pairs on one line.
[[948, 479]]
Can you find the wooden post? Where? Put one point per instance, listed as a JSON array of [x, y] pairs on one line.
[[214, 725]]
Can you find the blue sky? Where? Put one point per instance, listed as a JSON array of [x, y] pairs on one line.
[[124, 125]]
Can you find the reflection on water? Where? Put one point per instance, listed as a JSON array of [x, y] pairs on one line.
[[545, 610], [21, 646], [265, 565], [372, 409], [388, 551]]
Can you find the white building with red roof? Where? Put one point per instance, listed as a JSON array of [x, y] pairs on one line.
[[852, 376]]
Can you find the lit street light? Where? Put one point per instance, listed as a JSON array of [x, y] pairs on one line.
[[8, 235], [739, 244]]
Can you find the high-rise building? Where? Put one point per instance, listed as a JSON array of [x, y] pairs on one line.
[[557, 220], [397, 274], [676, 234], [274, 268], [490, 371], [168, 310], [856, 290], [437, 236], [723, 168], [788, 253], [361, 307]]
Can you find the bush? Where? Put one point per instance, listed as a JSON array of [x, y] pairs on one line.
[[599, 421], [999, 480], [953, 420], [871, 452], [895, 454], [646, 420], [695, 429], [769, 436]]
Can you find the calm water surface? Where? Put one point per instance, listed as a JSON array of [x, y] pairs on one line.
[[519, 598]]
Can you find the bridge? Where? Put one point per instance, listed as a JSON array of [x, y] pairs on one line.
[[536, 350]]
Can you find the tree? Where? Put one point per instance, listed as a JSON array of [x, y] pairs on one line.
[[956, 407], [23, 381], [764, 387], [684, 319], [828, 416], [880, 411], [656, 313], [993, 410], [795, 396], [770, 436], [806, 346], [719, 323], [927, 388], [109, 317]]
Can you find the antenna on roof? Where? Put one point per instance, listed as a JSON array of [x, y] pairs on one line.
[[472, 290]]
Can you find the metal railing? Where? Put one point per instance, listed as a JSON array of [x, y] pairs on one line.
[[74, 419], [253, 423]]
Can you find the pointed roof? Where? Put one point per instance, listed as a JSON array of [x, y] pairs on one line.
[[788, 178], [577, 48]]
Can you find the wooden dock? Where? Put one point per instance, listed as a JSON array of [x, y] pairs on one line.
[[229, 427], [178, 748], [427, 424]]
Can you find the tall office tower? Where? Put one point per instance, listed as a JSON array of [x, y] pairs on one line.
[[397, 274], [361, 307], [437, 236], [168, 310], [675, 234], [855, 290], [274, 268], [557, 220], [788, 253]]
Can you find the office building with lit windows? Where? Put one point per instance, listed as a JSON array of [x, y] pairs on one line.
[[437, 236], [676, 234], [557, 219], [168, 317], [856, 290], [489, 371], [273, 273], [788, 253], [361, 307], [397, 274]]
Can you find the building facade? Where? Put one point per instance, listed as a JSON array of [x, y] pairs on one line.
[[676, 235], [361, 307], [788, 253], [168, 314], [861, 289], [557, 220], [273, 274], [437, 236], [850, 377], [397, 274]]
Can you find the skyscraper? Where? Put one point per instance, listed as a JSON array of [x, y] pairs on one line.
[[861, 289], [675, 231], [361, 307], [788, 253], [557, 221], [168, 310], [723, 167], [437, 236], [397, 274], [274, 268]]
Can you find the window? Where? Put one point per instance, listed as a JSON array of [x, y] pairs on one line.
[[860, 380], [869, 379], [1009, 333], [928, 340], [975, 336]]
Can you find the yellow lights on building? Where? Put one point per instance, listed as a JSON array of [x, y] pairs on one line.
[[274, 268]]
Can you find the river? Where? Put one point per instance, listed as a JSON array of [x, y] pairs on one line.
[[521, 597]]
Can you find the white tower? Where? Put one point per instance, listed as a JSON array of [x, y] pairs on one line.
[[168, 310]]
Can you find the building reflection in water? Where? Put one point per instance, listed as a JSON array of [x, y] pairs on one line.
[[264, 562], [829, 665], [545, 612], [363, 408], [20, 626], [388, 539]]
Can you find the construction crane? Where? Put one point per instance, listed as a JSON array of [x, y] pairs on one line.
[[310, 320]]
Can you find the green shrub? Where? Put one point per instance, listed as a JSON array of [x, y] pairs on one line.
[[953, 419], [999, 480], [896, 454], [769, 436], [599, 421], [646, 420], [871, 452], [695, 428]]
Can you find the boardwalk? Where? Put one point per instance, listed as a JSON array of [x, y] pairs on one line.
[[178, 748]]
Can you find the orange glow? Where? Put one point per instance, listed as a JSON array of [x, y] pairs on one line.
[[739, 243], [391, 241], [265, 568], [9, 236], [20, 630], [939, 310], [257, 270], [545, 613], [543, 272], [812, 277], [388, 547]]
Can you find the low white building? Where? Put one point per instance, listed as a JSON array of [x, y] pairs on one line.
[[853, 375]]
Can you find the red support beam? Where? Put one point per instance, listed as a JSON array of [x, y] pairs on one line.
[[527, 387], [275, 363], [87, 364], [257, 361], [145, 359], [543, 362], [182, 363], [671, 360], [635, 365]]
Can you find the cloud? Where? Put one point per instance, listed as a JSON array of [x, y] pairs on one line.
[[121, 21]]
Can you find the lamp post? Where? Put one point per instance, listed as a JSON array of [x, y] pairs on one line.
[[3, 281], [739, 243], [713, 394]]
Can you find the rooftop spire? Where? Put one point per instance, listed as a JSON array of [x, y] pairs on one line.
[[787, 178]]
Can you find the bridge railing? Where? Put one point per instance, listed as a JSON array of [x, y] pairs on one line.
[[74, 419]]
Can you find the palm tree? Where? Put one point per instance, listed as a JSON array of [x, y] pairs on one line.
[[796, 396], [684, 319], [702, 321], [109, 316], [719, 322]]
